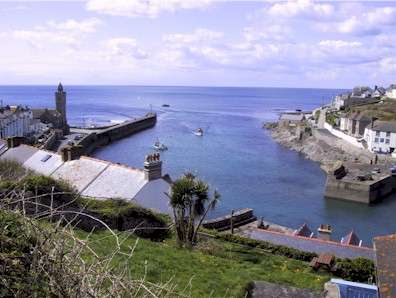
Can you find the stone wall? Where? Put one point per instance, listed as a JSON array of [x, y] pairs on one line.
[[356, 191], [240, 217], [98, 139]]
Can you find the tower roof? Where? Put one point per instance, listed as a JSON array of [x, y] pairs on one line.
[[60, 87]]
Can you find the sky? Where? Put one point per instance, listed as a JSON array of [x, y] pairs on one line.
[[295, 43]]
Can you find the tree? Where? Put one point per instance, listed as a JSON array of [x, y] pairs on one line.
[[191, 202]]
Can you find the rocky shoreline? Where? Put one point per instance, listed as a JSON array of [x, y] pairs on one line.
[[316, 145]]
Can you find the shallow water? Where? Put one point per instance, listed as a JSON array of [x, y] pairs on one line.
[[236, 155]]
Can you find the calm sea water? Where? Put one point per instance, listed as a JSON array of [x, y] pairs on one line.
[[236, 156]]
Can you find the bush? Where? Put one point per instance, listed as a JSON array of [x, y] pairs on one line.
[[359, 269], [275, 249], [122, 215], [11, 170]]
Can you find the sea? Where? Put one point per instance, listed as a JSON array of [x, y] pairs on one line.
[[236, 156]]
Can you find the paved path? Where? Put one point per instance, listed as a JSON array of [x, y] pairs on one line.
[[310, 244]]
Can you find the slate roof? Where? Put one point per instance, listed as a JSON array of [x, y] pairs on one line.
[[152, 196], [385, 249], [351, 239], [37, 113], [385, 126], [304, 231], [19, 154], [260, 289], [80, 172], [3, 146], [311, 244], [348, 289], [44, 162], [116, 181]]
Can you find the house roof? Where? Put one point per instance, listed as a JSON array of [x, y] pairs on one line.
[[153, 196], [20, 154], [260, 289], [292, 116], [37, 113], [116, 181], [3, 146], [351, 239], [80, 172], [385, 249], [304, 231], [44, 162], [385, 126]]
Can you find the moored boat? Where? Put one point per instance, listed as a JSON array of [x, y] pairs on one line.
[[198, 132]]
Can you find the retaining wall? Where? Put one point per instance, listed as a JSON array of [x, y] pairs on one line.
[[341, 135]]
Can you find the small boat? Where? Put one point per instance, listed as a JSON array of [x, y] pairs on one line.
[[198, 132], [159, 147], [165, 105]]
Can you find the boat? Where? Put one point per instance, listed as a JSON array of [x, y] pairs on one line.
[[198, 132], [165, 105], [159, 147]]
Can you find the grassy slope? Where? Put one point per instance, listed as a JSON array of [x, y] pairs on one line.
[[222, 269], [383, 111]]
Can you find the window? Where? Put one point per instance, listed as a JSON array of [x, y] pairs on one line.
[[382, 140], [376, 140], [45, 158], [387, 134], [377, 133], [387, 141]]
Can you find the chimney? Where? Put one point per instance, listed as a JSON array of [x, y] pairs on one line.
[[71, 153], [324, 232], [152, 167], [13, 142]]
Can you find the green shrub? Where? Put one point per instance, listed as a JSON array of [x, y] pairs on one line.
[[11, 170], [122, 215], [359, 269], [275, 249]]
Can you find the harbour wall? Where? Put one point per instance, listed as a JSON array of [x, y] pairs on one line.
[[103, 137], [240, 217], [356, 191]]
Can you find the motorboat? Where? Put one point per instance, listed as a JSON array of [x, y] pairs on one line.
[[198, 132], [159, 146]]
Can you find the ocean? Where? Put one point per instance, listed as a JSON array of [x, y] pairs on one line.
[[236, 155]]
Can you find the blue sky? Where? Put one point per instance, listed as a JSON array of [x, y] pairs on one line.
[[296, 43]]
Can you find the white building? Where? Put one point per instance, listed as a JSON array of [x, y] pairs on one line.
[[381, 137], [391, 92], [15, 121]]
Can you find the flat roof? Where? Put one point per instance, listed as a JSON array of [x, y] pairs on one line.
[[20, 154], [116, 181], [80, 172], [385, 250], [44, 162]]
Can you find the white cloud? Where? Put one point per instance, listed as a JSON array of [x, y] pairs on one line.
[[70, 32], [306, 8], [125, 46], [199, 35], [268, 32], [148, 8], [371, 22], [85, 26]]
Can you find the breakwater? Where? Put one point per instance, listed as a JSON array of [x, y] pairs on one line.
[[238, 218], [104, 136]]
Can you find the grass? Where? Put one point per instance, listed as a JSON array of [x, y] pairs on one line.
[[385, 110], [215, 268]]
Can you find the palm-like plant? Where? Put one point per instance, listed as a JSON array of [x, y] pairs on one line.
[[191, 202]]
